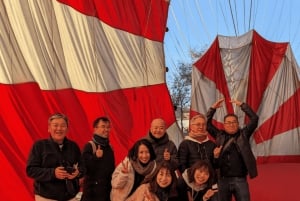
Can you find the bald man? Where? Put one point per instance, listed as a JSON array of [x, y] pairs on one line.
[[164, 148]]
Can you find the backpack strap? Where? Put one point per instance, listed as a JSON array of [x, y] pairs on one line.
[[228, 143], [93, 146]]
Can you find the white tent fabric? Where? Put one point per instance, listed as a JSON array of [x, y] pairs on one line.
[[263, 74], [84, 58]]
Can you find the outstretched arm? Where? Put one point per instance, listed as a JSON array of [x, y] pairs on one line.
[[251, 126], [238, 103], [218, 104], [210, 127]]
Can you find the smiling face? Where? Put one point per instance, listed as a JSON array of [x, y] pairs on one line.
[[198, 127], [158, 128], [201, 176], [58, 129], [164, 178], [143, 154], [231, 125], [102, 129]]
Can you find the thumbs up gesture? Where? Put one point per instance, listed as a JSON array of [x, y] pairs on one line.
[[217, 151], [99, 152], [167, 155]]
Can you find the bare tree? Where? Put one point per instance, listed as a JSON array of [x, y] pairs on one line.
[[180, 88]]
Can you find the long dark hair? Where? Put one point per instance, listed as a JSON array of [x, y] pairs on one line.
[[171, 190], [133, 152]]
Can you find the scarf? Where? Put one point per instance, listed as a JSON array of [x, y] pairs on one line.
[[163, 140], [143, 169], [103, 142]]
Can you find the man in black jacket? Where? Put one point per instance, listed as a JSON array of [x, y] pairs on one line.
[[99, 163], [164, 148], [55, 163], [236, 159], [196, 146]]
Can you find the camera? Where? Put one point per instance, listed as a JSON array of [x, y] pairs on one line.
[[70, 169]]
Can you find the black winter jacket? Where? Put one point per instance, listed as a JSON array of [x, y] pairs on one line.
[[44, 157], [159, 146], [190, 151], [97, 171], [242, 137]]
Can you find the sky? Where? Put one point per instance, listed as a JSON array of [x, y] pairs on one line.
[[195, 24]]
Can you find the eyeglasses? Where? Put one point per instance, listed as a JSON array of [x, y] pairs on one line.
[[230, 122], [59, 125], [198, 125], [103, 127]]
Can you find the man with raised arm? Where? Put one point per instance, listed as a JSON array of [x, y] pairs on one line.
[[236, 159]]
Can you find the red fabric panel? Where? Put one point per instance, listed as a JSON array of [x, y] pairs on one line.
[[266, 56], [210, 65], [141, 17], [25, 110], [285, 119]]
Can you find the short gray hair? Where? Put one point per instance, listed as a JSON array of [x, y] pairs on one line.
[[196, 117], [58, 116]]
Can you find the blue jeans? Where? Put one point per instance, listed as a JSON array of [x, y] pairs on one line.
[[236, 186]]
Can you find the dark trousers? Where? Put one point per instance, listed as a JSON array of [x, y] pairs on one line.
[[233, 186]]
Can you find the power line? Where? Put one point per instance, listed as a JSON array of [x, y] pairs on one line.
[[202, 20], [236, 18], [234, 26], [250, 15]]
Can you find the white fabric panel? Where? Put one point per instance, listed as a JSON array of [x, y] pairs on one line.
[[88, 55], [204, 98], [232, 42], [174, 134], [281, 87], [15, 35], [236, 64], [236, 56], [280, 145]]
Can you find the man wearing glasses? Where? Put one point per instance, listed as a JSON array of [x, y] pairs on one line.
[[196, 146], [236, 159]]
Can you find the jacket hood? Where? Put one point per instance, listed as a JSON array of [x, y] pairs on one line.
[[192, 184], [194, 140]]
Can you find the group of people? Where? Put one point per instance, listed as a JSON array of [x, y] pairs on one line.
[[200, 169]]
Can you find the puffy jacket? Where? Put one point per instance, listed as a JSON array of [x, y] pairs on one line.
[[191, 150], [159, 146]]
